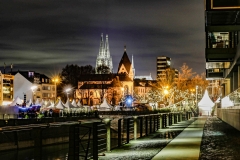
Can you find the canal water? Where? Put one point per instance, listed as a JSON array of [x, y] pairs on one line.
[[53, 152]]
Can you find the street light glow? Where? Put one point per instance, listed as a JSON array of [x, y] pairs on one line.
[[165, 91], [33, 88], [55, 80], [68, 89]]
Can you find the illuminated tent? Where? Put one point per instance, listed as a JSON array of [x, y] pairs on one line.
[[58, 105], [226, 102], [17, 101], [38, 103], [74, 103], [105, 106], [206, 104], [48, 104], [69, 106]]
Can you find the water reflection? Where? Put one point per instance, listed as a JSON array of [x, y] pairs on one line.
[[53, 152]]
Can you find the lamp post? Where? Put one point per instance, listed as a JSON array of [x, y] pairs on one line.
[[67, 91], [33, 89], [55, 80], [197, 99]]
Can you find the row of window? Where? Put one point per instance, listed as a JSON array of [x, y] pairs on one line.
[[47, 88]]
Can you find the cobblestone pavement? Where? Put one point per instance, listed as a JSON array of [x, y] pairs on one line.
[[220, 141], [147, 147]]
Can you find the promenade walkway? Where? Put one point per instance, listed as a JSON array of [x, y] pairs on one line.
[[185, 146]]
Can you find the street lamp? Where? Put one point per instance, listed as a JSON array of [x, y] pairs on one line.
[[33, 88], [55, 80], [166, 92], [67, 90], [197, 99]]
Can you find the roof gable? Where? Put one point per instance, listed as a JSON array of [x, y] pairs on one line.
[[124, 62]]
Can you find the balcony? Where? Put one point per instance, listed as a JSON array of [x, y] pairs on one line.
[[220, 54], [215, 73]]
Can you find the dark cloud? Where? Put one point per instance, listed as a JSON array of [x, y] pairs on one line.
[[46, 35]]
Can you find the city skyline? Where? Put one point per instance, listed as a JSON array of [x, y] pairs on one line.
[[45, 36]]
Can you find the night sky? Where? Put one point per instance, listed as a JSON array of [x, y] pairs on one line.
[[46, 35]]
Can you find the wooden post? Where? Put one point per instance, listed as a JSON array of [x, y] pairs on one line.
[[119, 132]]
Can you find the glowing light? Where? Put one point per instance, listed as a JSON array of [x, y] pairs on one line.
[[165, 91], [68, 89], [33, 88]]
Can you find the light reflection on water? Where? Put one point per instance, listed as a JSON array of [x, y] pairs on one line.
[[53, 152]]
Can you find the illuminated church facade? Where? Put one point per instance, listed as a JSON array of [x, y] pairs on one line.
[[104, 57]]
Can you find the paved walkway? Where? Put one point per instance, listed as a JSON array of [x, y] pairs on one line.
[[186, 145]]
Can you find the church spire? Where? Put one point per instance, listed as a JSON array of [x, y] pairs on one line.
[[107, 52], [104, 57], [133, 67], [101, 48]]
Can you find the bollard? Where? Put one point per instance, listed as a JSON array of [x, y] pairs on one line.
[[167, 119], [108, 127], [135, 127]]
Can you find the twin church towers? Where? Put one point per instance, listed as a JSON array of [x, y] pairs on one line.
[[104, 57]]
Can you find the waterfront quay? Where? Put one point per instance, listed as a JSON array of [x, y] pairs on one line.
[[87, 137]]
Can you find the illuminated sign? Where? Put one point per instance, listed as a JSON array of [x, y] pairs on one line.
[[225, 4]]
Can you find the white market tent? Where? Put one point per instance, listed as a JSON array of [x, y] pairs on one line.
[[42, 103], [205, 105], [79, 104], [58, 105], [69, 105], [16, 101], [105, 106], [226, 102], [38, 103], [48, 104], [74, 103]]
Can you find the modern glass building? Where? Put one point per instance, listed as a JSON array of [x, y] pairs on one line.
[[222, 53]]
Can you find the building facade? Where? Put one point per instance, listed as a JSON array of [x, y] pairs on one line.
[[31, 85], [104, 57], [163, 63], [222, 54], [164, 68], [94, 87], [6, 88]]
